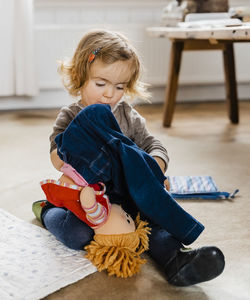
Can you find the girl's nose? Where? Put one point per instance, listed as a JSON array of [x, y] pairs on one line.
[[109, 92]]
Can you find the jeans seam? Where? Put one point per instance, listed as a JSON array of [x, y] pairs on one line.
[[112, 141], [190, 231], [93, 162], [99, 171]]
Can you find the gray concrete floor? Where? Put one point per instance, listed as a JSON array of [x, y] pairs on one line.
[[201, 141]]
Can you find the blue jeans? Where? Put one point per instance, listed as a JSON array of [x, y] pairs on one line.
[[95, 146], [75, 234]]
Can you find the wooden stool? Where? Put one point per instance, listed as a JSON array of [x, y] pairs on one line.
[[177, 47], [202, 39]]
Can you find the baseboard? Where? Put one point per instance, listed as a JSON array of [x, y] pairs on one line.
[[200, 93]]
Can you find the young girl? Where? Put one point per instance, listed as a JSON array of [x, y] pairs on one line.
[[104, 139]]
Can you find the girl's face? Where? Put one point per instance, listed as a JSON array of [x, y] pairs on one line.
[[106, 83]]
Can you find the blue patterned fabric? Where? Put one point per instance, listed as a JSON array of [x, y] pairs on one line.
[[196, 187]]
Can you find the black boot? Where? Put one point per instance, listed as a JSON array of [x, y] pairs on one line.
[[190, 267]]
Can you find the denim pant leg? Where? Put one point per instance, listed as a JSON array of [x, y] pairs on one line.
[[95, 146], [67, 228], [162, 245]]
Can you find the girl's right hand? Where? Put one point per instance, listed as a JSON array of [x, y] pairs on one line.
[[167, 184], [55, 159]]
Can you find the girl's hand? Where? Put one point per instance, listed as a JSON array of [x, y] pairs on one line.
[[167, 184], [55, 159], [161, 164]]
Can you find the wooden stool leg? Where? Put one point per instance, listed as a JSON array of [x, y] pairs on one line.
[[230, 81], [172, 82]]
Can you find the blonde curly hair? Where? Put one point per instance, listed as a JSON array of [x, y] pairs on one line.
[[119, 254], [113, 47]]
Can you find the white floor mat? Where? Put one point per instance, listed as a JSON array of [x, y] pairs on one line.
[[33, 264]]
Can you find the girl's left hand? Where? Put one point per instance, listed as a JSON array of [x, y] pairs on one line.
[[167, 184], [161, 164]]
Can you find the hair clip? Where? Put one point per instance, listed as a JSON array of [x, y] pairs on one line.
[[93, 55]]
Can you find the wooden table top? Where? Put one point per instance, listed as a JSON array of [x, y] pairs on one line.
[[235, 33]]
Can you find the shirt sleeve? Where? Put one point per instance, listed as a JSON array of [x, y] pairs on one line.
[[64, 117], [137, 131]]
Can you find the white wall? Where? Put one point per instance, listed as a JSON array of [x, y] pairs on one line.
[[59, 24]]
